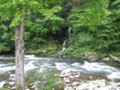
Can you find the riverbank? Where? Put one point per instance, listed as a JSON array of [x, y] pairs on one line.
[[88, 56], [56, 50]]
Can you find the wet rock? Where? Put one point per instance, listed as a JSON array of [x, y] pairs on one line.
[[12, 77], [11, 83], [27, 89], [2, 84], [13, 88], [114, 58], [34, 85], [77, 76], [68, 88], [82, 87], [69, 75], [115, 76], [106, 59], [75, 83], [94, 85], [66, 80], [65, 73], [69, 72]]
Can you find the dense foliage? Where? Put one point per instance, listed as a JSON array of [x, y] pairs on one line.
[[95, 27]]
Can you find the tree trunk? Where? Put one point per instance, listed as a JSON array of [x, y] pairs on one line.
[[19, 55]]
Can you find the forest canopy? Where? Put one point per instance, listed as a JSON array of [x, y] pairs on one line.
[[95, 26]]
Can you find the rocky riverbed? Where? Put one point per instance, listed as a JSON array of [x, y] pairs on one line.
[[76, 81]]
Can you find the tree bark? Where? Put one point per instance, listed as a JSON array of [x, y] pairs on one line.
[[19, 55]]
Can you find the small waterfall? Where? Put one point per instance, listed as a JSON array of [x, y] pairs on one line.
[[69, 32], [66, 38], [64, 43], [63, 46]]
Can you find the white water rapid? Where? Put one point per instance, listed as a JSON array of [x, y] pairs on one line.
[[99, 69]]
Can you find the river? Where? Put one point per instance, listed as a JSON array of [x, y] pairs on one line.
[[98, 70]]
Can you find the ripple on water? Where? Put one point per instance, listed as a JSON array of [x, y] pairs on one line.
[[89, 70]]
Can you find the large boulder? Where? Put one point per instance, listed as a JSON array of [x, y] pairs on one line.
[[114, 58], [2, 84], [106, 59]]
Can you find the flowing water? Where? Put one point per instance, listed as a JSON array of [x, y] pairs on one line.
[[94, 69], [66, 38]]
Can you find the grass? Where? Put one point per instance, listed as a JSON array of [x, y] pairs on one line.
[[45, 81]]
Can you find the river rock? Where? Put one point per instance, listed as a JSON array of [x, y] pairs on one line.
[[27, 89], [115, 76], [68, 72], [67, 80], [34, 85], [13, 88], [75, 83], [2, 84], [69, 88], [106, 59], [70, 75], [114, 58], [94, 85], [65, 73], [82, 87], [12, 77], [11, 83]]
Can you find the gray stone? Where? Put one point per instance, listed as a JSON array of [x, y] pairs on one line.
[[114, 58], [115, 76], [2, 84], [13, 88], [69, 88], [106, 59], [75, 83], [11, 83], [27, 89], [12, 77], [67, 80]]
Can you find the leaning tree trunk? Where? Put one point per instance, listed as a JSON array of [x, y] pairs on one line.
[[19, 55]]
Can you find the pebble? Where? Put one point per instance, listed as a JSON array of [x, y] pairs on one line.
[[75, 83]]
